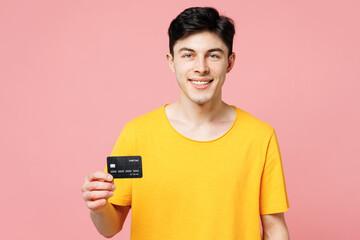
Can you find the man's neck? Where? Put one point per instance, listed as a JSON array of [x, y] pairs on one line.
[[195, 114]]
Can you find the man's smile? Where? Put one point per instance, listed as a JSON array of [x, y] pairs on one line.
[[200, 83]]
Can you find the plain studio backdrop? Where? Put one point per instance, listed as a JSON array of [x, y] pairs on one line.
[[74, 72]]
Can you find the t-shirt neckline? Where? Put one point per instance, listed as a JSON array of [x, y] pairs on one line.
[[198, 141]]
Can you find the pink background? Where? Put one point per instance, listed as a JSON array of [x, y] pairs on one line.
[[74, 72]]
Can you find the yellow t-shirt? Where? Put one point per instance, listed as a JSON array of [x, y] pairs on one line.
[[200, 189]]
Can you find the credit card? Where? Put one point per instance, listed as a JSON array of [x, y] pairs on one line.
[[125, 166]]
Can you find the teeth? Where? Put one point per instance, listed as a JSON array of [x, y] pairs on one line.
[[200, 82]]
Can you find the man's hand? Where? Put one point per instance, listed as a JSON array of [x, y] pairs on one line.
[[107, 218], [97, 188]]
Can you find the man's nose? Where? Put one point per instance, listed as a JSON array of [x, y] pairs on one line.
[[201, 66]]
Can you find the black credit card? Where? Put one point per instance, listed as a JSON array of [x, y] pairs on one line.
[[125, 166]]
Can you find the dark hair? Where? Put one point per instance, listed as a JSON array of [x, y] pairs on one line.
[[197, 19]]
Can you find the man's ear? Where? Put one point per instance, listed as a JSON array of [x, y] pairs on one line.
[[231, 62], [170, 60]]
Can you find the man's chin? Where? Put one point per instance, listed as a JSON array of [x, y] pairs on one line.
[[200, 101]]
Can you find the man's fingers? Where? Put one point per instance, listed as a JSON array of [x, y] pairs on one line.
[[99, 186], [96, 195], [93, 205], [98, 175]]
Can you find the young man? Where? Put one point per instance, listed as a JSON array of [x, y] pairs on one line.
[[210, 170]]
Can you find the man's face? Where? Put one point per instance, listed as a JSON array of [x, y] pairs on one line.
[[200, 63]]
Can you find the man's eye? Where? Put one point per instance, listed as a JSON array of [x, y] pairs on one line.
[[187, 55], [213, 56]]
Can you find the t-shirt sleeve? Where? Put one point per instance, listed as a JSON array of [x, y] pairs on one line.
[[273, 195], [124, 146]]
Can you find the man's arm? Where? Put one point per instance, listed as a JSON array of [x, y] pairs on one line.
[[110, 219], [274, 227]]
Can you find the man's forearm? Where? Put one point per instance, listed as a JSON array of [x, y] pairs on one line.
[[107, 220]]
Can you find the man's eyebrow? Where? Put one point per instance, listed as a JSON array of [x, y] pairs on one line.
[[186, 49], [216, 50]]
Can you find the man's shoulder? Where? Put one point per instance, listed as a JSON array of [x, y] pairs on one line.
[[151, 118], [252, 123]]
